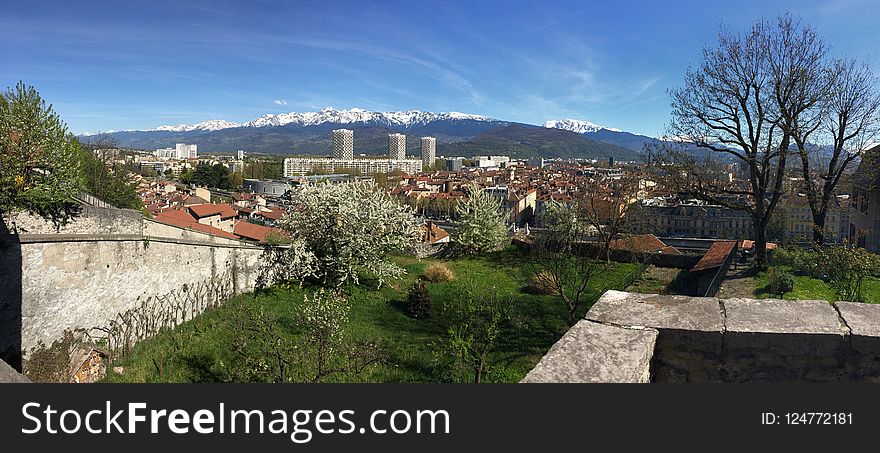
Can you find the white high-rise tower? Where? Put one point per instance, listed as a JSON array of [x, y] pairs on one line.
[[343, 144], [429, 151], [396, 146]]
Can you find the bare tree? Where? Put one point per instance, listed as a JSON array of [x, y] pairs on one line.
[[743, 102], [841, 129], [560, 259], [605, 206]]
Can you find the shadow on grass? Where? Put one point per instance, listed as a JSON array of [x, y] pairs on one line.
[[508, 257], [203, 368]]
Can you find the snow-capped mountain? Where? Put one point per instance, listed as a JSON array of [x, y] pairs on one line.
[[211, 125], [579, 126], [404, 120], [309, 133]]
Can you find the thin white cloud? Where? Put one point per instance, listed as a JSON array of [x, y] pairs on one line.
[[439, 70], [841, 6], [280, 102], [555, 21], [645, 85]]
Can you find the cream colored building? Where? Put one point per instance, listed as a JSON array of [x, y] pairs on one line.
[[429, 151], [343, 144], [296, 166], [397, 146]]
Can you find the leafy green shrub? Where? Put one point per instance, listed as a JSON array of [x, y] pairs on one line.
[[474, 319], [418, 301], [846, 268], [800, 260], [438, 273], [780, 282]]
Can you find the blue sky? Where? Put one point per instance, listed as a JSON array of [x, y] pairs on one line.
[[138, 65]]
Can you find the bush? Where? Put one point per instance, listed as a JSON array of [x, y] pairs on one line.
[[780, 282], [438, 273], [418, 301], [800, 260], [542, 283], [846, 268]]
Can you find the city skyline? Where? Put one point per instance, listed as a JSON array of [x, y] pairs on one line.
[[103, 68]]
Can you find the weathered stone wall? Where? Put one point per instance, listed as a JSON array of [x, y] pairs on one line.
[[593, 352], [89, 220], [714, 340], [90, 284], [112, 277]]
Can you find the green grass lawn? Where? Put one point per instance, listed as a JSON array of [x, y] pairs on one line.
[[201, 349], [807, 288]]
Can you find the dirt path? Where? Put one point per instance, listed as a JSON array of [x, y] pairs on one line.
[[737, 284]]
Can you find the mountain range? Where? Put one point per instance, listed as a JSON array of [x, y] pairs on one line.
[[458, 134]]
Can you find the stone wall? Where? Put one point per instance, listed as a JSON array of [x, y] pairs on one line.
[[715, 340], [111, 276], [88, 220]]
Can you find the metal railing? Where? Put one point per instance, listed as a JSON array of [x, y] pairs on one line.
[[722, 272], [634, 275], [92, 200]]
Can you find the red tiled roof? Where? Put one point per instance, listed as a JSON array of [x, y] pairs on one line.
[[275, 214], [214, 231], [208, 210], [183, 219], [252, 231], [716, 255], [748, 244], [176, 218], [432, 233], [194, 200]]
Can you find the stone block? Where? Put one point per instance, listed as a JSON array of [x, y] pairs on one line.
[[864, 323], [658, 311], [799, 327], [592, 352], [692, 323]]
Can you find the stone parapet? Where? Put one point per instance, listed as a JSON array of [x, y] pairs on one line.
[[716, 340], [593, 352]]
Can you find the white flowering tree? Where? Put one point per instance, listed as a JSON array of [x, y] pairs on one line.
[[481, 226], [338, 230]]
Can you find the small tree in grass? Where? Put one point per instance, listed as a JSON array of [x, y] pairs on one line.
[[559, 257], [481, 226], [263, 351], [475, 319], [266, 352], [327, 348], [418, 300]]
